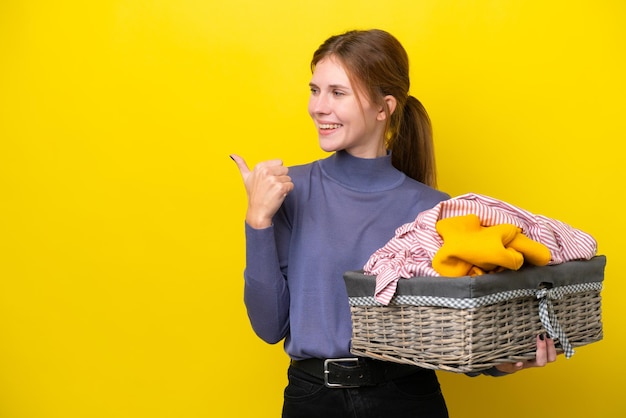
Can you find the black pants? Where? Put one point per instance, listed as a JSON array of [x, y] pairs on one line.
[[416, 395]]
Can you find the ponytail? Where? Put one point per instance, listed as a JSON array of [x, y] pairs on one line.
[[411, 145]]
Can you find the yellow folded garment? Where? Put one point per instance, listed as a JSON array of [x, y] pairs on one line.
[[471, 249]]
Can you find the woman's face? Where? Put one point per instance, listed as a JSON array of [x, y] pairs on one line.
[[343, 120]]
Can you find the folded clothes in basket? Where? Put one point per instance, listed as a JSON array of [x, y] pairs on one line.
[[411, 251]]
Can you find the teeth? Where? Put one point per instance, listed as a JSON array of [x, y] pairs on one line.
[[329, 126]]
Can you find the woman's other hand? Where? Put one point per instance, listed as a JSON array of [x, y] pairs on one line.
[[546, 353]]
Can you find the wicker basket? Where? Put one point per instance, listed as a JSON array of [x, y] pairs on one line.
[[469, 324]]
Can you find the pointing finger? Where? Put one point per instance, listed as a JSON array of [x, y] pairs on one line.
[[241, 164]]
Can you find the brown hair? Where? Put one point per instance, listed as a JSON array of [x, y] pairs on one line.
[[380, 66]]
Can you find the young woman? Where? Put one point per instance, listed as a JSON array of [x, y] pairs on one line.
[[306, 225]]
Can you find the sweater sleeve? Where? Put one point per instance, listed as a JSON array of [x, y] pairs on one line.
[[266, 294]]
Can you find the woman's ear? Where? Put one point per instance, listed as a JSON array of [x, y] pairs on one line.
[[390, 103]]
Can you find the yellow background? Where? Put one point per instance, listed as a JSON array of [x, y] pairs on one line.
[[121, 214]]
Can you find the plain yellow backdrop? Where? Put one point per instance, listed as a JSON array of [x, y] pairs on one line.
[[121, 214]]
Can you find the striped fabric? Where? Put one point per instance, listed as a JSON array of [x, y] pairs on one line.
[[410, 252]]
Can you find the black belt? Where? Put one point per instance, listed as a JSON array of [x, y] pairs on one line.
[[353, 372]]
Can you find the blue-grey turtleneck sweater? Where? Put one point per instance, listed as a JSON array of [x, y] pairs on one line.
[[340, 211]]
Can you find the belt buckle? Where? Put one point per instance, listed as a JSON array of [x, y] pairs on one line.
[[330, 361]]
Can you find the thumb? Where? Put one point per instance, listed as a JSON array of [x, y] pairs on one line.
[[241, 164]]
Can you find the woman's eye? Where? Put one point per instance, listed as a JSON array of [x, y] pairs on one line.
[[338, 93]]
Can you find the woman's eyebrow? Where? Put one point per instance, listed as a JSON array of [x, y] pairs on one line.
[[332, 86]]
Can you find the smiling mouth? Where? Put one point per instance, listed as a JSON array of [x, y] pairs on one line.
[[329, 126]]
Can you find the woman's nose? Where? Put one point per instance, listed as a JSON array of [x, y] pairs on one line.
[[319, 104]]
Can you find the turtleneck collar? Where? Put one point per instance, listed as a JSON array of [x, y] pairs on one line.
[[362, 174]]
